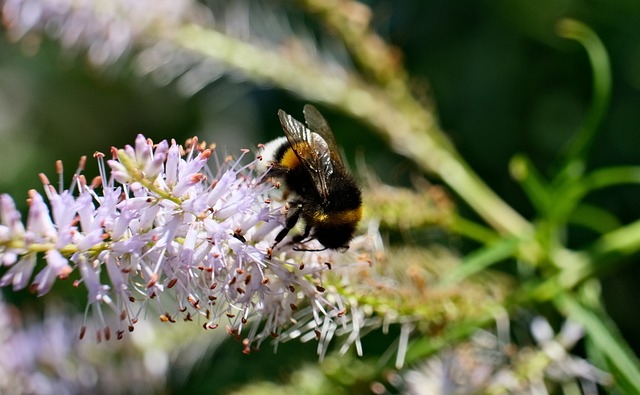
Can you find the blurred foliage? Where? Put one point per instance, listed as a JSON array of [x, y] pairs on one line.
[[507, 90]]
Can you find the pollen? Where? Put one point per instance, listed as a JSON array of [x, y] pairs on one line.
[[320, 217]]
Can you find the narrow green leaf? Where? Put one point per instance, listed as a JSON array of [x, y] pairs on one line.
[[611, 176], [567, 195], [621, 241], [473, 230], [532, 182], [594, 218], [481, 259], [606, 337], [580, 144]]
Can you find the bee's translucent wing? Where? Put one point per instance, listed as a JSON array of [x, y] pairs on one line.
[[319, 125], [311, 149]]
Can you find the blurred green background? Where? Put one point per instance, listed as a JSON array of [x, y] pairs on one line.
[[500, 78]]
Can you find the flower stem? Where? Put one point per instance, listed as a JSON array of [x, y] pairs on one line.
[[138, 176]]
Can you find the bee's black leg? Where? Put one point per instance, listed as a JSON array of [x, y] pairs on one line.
[[292, 219], [304, 238], [299, 238]]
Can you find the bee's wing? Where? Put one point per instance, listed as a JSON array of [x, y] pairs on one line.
[[318, 124], [311, 149]]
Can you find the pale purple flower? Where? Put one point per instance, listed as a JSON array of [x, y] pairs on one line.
[[106, 31], [19, 275], [144, 32], [141, 31], [45, 357], [11, 228], [190, 240], [494, 363], [40, 226]]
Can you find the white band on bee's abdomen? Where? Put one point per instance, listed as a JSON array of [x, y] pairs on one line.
[[268, 153]]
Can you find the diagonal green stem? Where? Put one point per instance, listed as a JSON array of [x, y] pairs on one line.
[[409, 127], [138, 176]]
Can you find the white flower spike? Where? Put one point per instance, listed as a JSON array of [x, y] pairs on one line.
[[191, 239]]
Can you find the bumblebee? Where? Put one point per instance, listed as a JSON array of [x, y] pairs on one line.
[[324, 194]]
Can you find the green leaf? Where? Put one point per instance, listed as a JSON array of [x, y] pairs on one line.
[[621, 241], [481, 259], [594, 218], [611, 176], [605, 337], [532, 182], [580, 144]]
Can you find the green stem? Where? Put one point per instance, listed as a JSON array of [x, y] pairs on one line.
[[35, 248], [138, 176], [599, 60], [472, 230]]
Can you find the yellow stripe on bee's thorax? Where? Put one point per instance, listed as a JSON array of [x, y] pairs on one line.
[[289, 159], [351, 216]]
